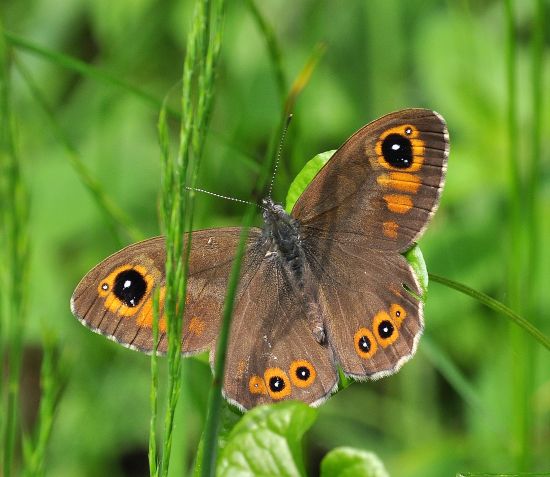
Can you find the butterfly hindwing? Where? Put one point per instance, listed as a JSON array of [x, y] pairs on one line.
[[372, 321], [272, 353]]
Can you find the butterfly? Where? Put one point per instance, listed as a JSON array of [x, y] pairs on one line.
[[322, 288]]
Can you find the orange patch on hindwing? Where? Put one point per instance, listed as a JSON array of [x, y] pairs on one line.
[[302, 373], [256, 385], [398, 203], [277, 383], [390, 229], [398, 313]]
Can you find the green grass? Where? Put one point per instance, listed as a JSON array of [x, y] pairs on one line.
[[79, 100]]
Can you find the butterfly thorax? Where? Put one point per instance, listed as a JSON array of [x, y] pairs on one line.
[[281, 233]]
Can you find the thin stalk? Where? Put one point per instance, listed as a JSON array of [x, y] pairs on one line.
[[210, 435], [533, 188], [175, 219], [15, 258], [496, 306], [513, 163], [50, 392], [203, 46], [521, 371], [153, 395], [273, 49], [215, 399], [84, 69]]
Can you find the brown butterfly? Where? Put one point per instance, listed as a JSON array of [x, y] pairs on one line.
[[321, 288]]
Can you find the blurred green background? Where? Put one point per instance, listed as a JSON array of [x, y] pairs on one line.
[[477, 395]]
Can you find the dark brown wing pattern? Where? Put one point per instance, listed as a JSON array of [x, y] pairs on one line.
[[99, 299], [382, 186], [370, 202], [272, 352]]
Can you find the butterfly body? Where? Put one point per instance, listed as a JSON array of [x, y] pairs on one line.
[[282, 233], [321, 288]]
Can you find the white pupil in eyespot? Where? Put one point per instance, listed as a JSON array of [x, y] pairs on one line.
[[127, 284], [105, 286], [395, 147]]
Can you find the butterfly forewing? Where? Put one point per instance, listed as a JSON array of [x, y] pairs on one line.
[[382, 186], [116, 297]]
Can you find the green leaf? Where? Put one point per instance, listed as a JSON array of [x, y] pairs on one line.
[[305, 176], [350, 462], [267, 441], [416, 260]]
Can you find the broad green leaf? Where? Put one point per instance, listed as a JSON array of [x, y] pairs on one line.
[[305, 176], [416, 259], [350, 462], [267, 442]]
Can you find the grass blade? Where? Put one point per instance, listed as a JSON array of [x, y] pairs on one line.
[[84, 69], [114, 215], [496, 306], [15, 257]]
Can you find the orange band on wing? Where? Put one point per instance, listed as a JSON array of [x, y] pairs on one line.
[[390, 229], [400, 181], [398, 203], [145, 316]]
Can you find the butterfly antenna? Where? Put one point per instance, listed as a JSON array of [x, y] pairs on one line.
[[279, 151], [224, 197]]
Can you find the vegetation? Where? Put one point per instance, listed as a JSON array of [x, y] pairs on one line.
[[82, 87]]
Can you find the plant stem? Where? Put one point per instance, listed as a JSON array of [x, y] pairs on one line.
[[15, 258], [495, 305]]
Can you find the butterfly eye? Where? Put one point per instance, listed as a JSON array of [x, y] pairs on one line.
[[365, 344], [130, 287], [397, 151], [385, 329], [302, 373], [278, 385]]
